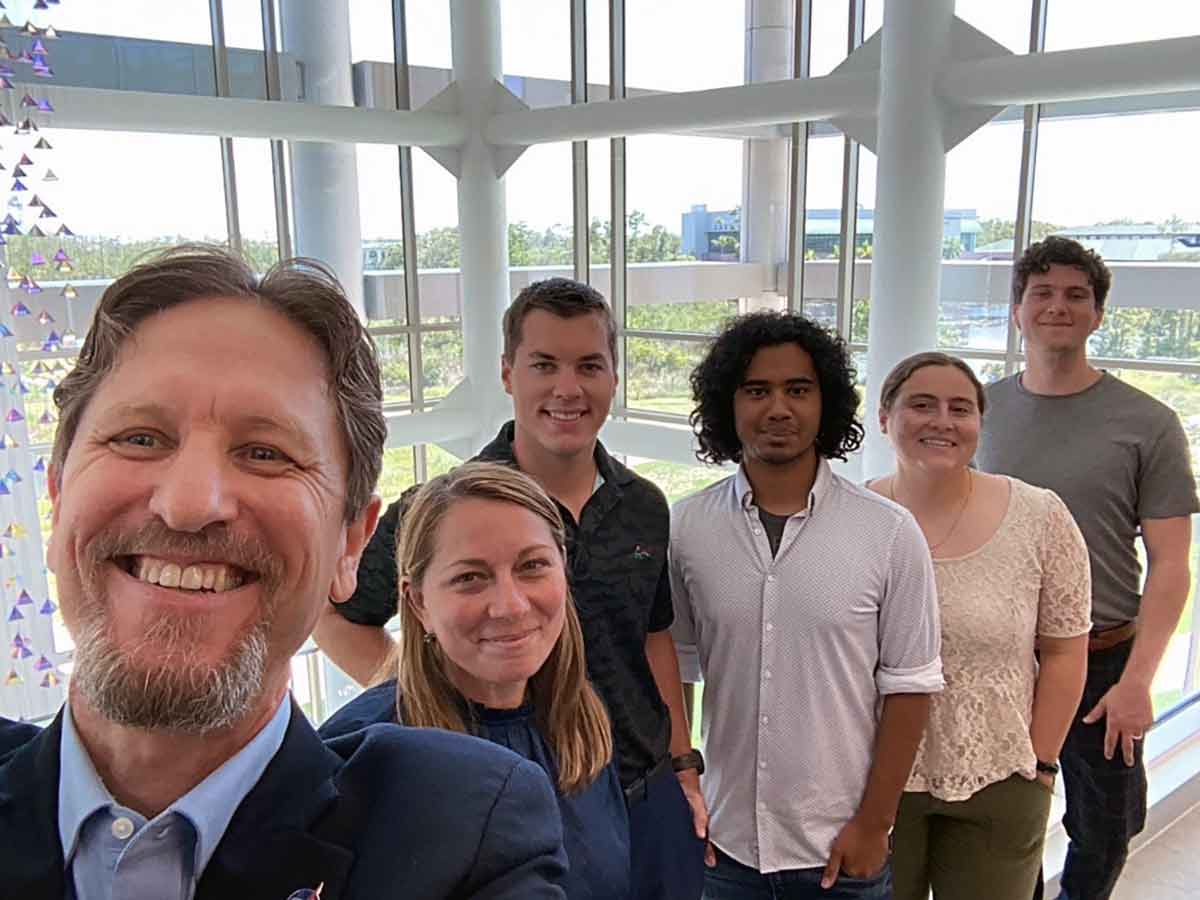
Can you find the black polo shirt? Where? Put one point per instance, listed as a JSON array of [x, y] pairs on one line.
[[617, 562]]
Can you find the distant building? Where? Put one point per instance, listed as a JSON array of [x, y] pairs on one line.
[[715, 234], [1145, 241]]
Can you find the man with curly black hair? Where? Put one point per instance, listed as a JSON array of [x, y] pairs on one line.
[[807, 605]]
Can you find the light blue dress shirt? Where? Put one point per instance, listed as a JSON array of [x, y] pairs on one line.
[[111, 851]]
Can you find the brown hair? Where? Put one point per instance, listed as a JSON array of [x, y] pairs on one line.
[[566, 707], [303, 290], [561, 297], [906, 368], [1062, 251]]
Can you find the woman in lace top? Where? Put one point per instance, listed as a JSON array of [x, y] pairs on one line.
[[1011, 569], [490, 644]]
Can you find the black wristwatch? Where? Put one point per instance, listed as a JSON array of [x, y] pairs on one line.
[[693, 759], [1047, 768]]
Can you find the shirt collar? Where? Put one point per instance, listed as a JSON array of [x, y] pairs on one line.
[[744, 492], [209, 806], [501, 450]]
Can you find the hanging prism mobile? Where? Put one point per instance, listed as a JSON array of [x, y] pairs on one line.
[[47, 608]]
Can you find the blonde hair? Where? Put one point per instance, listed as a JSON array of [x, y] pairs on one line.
[[567, 709]]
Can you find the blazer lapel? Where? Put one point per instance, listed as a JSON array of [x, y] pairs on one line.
[[31, 855], [292, 831]]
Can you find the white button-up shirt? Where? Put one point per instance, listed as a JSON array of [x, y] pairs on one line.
[[796, 653]]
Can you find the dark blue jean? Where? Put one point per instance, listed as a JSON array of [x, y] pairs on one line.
[[1106, 799], [666, 857], [731, 880]]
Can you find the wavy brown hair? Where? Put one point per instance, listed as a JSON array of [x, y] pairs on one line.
[[567, 709]]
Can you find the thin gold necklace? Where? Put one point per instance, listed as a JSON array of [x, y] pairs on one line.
[[962, 509]]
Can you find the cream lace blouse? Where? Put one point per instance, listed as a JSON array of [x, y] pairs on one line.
[[1031, 578]]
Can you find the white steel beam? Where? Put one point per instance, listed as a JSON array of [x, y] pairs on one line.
[[753, 104], [1120, 70], [105, 110]]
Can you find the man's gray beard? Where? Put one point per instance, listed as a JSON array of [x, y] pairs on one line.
[[177, 692]]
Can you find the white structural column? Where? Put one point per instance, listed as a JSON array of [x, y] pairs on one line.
[[765, 161], [909, 200], [325, 175], [482, 217]]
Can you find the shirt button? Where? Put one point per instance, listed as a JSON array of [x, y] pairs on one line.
[[757, 530], [122, 828], [771, 578], [765, 720], [767, 674], [162, 832], [762, 763], [770, 627]]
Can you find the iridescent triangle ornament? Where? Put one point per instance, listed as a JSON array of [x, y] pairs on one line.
[[24, 599], [49, 176], [45, 318], [40, 465], [69, 292], [12, 476], [47, 608], [4, 488], [42, 144], [20, 310], [13, 679], [25, 160], [48, 213], [5, 85], [28, 101], [36, 232], [33, 287], [14, 415], [60, 255], [4, 332], [50, 31], [46, 418], [63, 231], [19, 172], [10, 228], [45, 106], [17, 186], [37, 47], [35, 200], [15, 615], [42, 664], [51, 680], [36, 259]]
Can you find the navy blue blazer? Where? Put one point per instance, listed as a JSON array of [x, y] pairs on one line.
[[385, 812]]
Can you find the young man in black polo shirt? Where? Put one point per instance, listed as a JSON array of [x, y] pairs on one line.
[[559, 366]]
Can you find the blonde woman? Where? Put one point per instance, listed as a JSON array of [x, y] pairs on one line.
[[490, 644], [1011, 569]]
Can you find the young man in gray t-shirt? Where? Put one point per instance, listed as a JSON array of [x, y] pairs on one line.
[[1120, 460]]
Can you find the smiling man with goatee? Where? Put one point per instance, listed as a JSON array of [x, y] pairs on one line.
[[212, 485]]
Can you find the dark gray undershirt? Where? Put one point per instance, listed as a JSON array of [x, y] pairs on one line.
[[774, 526]]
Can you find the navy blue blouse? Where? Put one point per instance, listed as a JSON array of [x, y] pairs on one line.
[[595, 822]]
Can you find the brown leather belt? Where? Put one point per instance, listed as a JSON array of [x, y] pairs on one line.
[[1111, 637]]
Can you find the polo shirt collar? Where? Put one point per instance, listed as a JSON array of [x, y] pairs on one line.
[[501, 450], [744, 492]]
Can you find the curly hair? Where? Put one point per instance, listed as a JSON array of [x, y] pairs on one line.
[[723, 369], [1061, 251]]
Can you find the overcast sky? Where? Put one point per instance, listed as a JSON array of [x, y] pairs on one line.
[[1088, 169]]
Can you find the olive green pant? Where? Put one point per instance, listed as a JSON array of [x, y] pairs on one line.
[[987, 847]]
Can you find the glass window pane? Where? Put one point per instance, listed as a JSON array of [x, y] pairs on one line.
[[597, 50], [540, 212], [371, 30], [830, 36], [441, 362], [677, 480], [696, 316], [439, 461], [435, 201], [822, 223], [1007, 24], [256, 201], [393, 363], [382, 233], [1094, 23], [399, 473], [684, 45], [657, 373], [1150, 214], [1182, 393], [181, 21], [535, 39], [1132, 332], [428, 25], [599, 208]]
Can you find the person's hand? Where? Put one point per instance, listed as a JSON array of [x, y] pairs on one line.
[[860, 850], [1046, 778], [1127, 711], [689, 780]]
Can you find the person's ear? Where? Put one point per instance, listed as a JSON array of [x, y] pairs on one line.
[[358, 532]]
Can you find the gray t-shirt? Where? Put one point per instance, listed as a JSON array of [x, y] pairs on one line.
[[1113, 453]]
